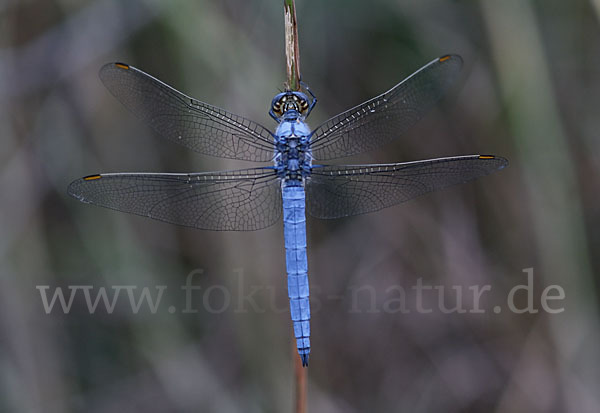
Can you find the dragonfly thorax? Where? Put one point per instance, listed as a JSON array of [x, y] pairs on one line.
[[293, 160]]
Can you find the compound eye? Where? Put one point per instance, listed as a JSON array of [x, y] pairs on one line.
[[303, 105], [278, 106]]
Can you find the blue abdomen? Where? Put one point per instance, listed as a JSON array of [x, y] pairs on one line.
[[294, 231]]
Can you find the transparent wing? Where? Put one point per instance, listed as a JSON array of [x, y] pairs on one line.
[[387, 116], [242, 200], [339, 191], [184, 120]]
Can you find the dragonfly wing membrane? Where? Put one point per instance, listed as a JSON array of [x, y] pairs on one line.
[[179, 118], [340, 191], [387, 116], [242, 200]]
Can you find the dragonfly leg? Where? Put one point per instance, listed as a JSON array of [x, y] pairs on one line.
[[314, 98]]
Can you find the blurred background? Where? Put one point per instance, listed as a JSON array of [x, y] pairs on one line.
[[530, 91]]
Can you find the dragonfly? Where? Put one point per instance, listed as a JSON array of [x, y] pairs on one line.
[[295, 181]]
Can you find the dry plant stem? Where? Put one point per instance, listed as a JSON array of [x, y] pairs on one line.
[[292, 58], [300, 380], [292, 55]]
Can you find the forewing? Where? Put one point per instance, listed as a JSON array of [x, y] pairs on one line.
[[339, 191], [242, 200], [387, 116], [184, 120]]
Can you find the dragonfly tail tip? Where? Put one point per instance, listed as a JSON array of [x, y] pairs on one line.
[[304, 358]]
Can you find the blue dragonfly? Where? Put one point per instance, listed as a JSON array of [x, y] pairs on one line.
[[296, 181]]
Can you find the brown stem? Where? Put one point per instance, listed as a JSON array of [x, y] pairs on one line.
[[300, 380], [292, 58], [292, 55]]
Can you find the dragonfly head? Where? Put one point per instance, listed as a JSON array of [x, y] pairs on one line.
[[286, 101]]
